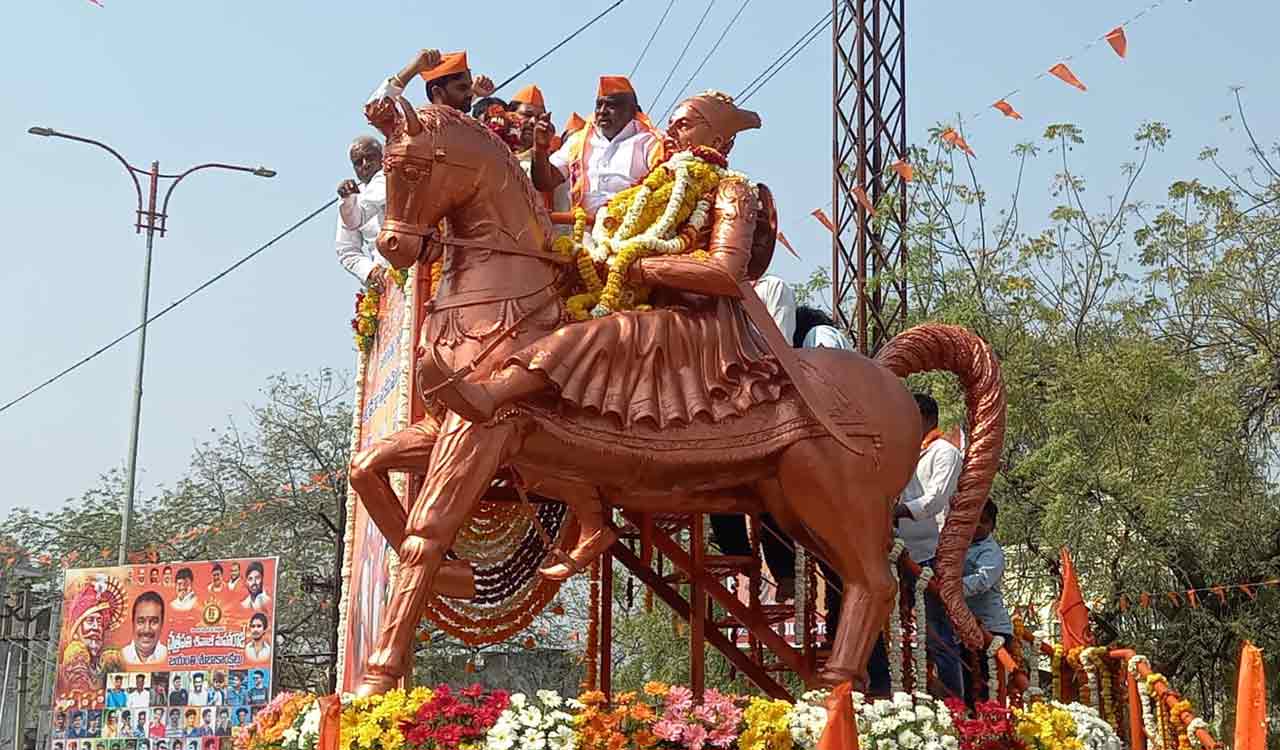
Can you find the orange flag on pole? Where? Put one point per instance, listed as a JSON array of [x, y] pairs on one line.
[[1063, 72], [1007, 109], [1117, 40], [951, 136], [904, 170], [1251, 701], [822, 217], [783, 239], [1072, 612]]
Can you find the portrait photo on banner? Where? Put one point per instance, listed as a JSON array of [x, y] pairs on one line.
[[165, 656]]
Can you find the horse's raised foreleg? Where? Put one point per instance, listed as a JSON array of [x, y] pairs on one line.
[[819, 481], [465, 459]]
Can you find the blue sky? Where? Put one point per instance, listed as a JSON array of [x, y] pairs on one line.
[[281, 83]]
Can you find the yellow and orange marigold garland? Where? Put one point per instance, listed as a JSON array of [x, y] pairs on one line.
[[660, 216], [1055, 666]]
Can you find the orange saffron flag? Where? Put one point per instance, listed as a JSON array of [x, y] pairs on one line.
[[1063, 72], [1072, 612], [1222, 593], [1192, 600], [861, 196], [1124, 603], [1118, 42], [904, 170], [952, 137], [1174, 599], [1251, 701], [1145, 601], [1007, 109], [822, 217], [785, 243]]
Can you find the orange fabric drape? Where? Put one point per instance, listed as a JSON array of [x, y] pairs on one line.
[[1251, 701], [1064, 73], [330, 723], [1072, 612], [841, 732]]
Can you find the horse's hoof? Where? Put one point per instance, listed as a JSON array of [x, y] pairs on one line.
[[375, 684], [581, 556], [557, 572]]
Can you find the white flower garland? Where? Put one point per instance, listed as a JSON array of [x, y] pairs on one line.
[[895, 644], [993, 671], [1149, 724], [920, 655], [1091, 677], [349, 533], [1195, 726]]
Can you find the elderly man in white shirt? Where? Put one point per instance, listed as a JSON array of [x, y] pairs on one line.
[[364, 201], [615, 151]]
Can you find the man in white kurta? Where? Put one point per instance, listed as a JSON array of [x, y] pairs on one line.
[[615, 150], [360, 214]]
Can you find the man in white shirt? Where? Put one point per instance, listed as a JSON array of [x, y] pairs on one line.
[[198, 696], [616, 150], [356, 245], [780, 300], [148, 622], [185, 586], [920, 515], [139, 695]]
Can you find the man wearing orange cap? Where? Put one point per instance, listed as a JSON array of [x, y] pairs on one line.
[[448, 78], [528, 102], [614, 151]]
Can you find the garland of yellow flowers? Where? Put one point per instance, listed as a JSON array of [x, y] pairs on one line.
[[1176, 713], [1106, 685], [1162, 717], [660, 216], [1055, 665], [1073, 661]]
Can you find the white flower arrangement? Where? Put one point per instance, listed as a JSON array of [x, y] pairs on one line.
[[1149, 723], [808, 720], [1093, 732], [908, 722], [538, 724], [1192, 732]]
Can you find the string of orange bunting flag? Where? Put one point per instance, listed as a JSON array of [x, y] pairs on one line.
[[1188, 598], [1116, 38]]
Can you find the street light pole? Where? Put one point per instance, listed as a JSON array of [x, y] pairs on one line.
[[150, 221]]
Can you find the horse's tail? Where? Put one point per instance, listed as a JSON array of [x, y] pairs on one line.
[[957, 350]]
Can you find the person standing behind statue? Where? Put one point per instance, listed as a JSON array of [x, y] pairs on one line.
[[614, 151], [356, 239], [919, 517], [983, 573], [816, 330]]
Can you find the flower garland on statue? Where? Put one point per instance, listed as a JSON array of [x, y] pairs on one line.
[[896, 639], [660, 216], [365, 322], [1055, 666], [920, 653], [1149, 723]]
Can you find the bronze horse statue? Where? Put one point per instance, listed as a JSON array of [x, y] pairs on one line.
[[501, 293]]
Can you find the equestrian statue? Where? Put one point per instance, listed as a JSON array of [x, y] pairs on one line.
[[631, 365]]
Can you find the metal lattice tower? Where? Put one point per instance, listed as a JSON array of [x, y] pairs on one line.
[[869, 118]]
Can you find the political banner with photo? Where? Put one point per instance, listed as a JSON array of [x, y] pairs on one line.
[[165, 656]]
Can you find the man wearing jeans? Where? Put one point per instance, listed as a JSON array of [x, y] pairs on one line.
[[919, 515]]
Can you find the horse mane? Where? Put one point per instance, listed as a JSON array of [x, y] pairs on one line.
[[436, 118]]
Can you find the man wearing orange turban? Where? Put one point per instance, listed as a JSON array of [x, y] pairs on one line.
[[528, 102], [448, 78], [614, 151]]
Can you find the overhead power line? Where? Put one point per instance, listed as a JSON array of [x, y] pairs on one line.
[[652, 36], [560, 44], [683, 52], [728, 27], [110, 345], [783, 59]]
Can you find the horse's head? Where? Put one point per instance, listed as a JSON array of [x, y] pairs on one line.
[[436, 161]]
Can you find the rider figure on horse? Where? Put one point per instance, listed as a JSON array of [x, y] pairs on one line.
[[695, 356]]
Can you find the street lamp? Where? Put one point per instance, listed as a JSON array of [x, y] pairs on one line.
[[151, 221]]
